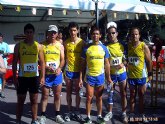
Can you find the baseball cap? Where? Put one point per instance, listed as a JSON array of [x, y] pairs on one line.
[[111, 24], [53, 28]]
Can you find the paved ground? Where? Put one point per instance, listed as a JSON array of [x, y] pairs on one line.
[[7, 109]]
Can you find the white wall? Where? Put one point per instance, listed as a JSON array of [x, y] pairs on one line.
[[11, 29]]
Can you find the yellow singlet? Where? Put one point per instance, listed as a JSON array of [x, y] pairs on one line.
[[73, 55], [52, 55], [28, 66], [136, 61], [116, 56]]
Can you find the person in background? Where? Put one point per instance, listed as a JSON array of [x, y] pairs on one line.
[[94, 60], [139, 70], [28, 53], [117, 70], [2, 71], [54, 60], [4, 52], [59, 37]]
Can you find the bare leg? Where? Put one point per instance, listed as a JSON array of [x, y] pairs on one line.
[[78, 98], [132, 98], [57, 99], [19, 107], [44, 99], [90, 93], [141, 91], [98, 93], [123, 87], [34, 105], [69, 85]]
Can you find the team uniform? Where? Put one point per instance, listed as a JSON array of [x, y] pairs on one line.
[[28, 75], [137, 71], [73, 55], [95, 55], [52, 58], [116, 57]]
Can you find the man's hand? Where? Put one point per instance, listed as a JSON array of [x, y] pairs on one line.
[[42, 81], [109, 81], [58, 71], [16, 83], [149, 78], [80, 83]]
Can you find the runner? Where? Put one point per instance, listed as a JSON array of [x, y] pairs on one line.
[[117, 70], [28, 52], [94, 59], [73, 49], [54, 60], [139, 63]]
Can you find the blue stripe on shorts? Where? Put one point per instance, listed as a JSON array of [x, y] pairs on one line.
[[137, 81], [72, 75], [119, 77], [53, 80], [95, 80]]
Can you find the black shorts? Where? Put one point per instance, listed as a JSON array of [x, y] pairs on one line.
[[30, 84]]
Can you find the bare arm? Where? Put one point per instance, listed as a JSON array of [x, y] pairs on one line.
[[107, 70], [82, 71], [14, 63], [148, 61], [2, 66], [62, 60], [42, 64]]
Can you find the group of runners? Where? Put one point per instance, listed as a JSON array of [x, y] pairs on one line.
[[91, 64]]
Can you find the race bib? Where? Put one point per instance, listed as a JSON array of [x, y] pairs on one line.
[[133, 60], [30, 67], [52, 64], [116, 61]]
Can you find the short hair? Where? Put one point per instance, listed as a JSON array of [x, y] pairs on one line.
[[134, 29], [29, 26], [72, 25], [1, 35], [94, 28]]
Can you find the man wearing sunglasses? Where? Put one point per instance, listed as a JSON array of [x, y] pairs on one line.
[[117, 70]]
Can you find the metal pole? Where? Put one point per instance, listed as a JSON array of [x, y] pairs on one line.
[[97, 13]]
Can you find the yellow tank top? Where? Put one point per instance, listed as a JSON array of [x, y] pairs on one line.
[[28, 66], [116, 56], [52, 55], [136, 61], [73, 55]]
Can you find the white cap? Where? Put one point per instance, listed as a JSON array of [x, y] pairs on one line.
[[53, 28], [111, 24]]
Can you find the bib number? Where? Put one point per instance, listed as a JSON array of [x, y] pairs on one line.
[[30, 67], [116, 61], [51, 64], [134, 60]]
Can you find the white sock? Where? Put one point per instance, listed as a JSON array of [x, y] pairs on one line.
[[88, 116]]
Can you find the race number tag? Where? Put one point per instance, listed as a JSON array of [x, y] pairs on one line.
[[116, 61], [52, 64], [30, 67], [134, 60]]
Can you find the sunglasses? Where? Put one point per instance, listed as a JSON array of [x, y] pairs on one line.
[[111, 32]]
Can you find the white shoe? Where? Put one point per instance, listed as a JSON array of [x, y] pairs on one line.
[[68, 116], [59, 119], [108, 116], [43, 120], [35, 122], [124, 118]]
